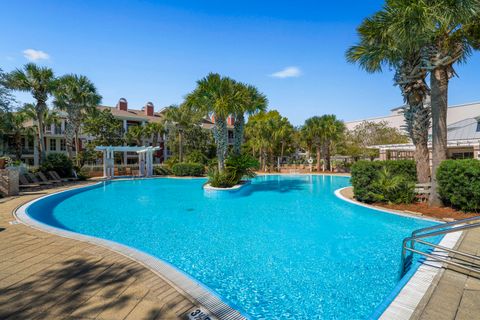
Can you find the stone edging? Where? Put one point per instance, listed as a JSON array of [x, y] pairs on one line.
[[179, 280]]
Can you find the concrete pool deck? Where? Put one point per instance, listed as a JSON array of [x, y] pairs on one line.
[[45, 276]]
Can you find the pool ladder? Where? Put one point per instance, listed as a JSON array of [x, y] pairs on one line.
[[459, 258]]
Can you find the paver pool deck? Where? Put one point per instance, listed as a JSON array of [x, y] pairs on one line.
[[45, 276]]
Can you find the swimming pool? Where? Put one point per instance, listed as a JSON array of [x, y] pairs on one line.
[[284, 247]]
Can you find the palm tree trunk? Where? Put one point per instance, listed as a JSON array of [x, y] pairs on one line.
[[327, 156], [77, 148], [41, 136], [318, 157], [18, 146], [222, 142], [238, 133], [439, 86], [180, 146]]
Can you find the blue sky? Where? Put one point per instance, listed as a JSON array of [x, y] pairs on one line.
[[156, 50]]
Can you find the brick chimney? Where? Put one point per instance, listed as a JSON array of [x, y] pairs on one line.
[[212, 118], [122, 104], [230, 120], [148, 109]]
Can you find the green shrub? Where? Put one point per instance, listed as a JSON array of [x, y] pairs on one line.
[[221, 179], [160, 170], [236, 168], [384, 181], [197, 157], [188, 169], [58, 162], [170, 162], [459, 183]]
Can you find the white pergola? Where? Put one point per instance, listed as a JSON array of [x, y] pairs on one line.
[[145, 159]]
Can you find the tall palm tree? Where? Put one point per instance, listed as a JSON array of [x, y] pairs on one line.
[[180, 118], [253, 102], [154, 130], [49, 117], [135, 135], [446, 32], [40, 82], [218, 96], [75, 95], [379, 46], [313, 133], [332, 130]]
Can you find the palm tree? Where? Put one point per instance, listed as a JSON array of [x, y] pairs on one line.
[[253, 102], [313, 133], [445, 32], [135, 135], [180, 118], [331, 131], [40, 82], [153, 130], [218, 96], [379, 46], [75, 95]]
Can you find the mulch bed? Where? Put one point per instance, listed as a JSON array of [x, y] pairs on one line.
[[435, 212]]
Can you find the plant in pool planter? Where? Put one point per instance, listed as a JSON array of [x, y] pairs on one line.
[[188, 169], [58, 162], [236, 168]]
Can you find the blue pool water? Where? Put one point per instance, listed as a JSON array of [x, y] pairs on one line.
[[285, 247]]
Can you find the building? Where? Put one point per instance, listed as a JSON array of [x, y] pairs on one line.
[[395, 118], [55, 141], [463, 133]]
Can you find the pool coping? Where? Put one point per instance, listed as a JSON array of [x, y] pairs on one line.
[[182, 282], [401, 303]]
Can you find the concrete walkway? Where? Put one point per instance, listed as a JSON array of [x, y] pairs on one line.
[[43, 276]]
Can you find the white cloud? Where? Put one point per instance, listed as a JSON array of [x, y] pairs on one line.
[[288, 72], [34, 55]]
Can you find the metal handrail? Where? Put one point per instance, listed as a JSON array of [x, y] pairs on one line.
[[443, 225], [446, 228]]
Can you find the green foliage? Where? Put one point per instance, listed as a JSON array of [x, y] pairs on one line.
[[104, 127], [58, 162], [161, 170], [384, 181], [459, 183], [170, 162], [184, 169], [197, 156], [236, 168], [241, 166]]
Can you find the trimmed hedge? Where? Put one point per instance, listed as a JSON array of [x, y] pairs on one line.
[[160, 170], [188, 169], [391, 181], [459, 183]]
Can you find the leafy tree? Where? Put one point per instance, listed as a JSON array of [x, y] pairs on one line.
[[332, 130], [75, 95], [6, 103], [312, 131], [367, 134], [220, 97], [102, 125], [40, 82], [16, 128]]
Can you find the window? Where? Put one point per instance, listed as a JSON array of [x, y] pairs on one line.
[[462, 155], [58, 128], [478, 126], [63, 145], [53, 145]]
